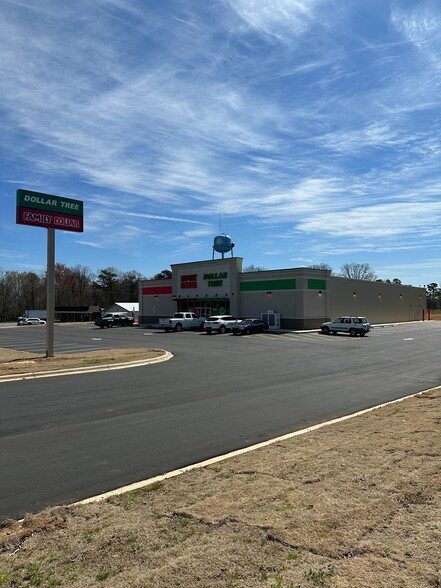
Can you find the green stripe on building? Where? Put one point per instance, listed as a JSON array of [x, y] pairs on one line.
[[258, 286], [316, 284]]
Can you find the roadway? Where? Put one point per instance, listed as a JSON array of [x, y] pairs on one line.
[[67, 438]]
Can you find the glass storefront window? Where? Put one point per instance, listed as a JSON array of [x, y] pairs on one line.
[[204, 308]]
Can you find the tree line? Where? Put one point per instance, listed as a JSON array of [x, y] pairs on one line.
[[74, 286]]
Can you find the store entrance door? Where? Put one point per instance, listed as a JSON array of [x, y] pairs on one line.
[[204, 308]]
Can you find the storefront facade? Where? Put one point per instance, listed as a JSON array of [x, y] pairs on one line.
[[302, 297]]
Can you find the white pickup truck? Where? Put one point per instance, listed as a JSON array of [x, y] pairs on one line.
[[180, 321]]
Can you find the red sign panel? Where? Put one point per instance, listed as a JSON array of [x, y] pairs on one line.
[[189, 281], [155, 290], [48, 219]]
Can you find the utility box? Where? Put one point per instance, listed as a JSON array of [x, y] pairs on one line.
[[272, 318]]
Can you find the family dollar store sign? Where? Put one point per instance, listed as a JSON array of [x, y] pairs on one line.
[[51, 212]]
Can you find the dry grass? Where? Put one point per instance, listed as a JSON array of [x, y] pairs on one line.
[[17, 362], [352, 505]]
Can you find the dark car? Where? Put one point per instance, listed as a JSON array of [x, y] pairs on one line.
[[248, 326], [114, 320]]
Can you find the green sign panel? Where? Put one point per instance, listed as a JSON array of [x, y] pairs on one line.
[[258, 285], [52, 212]]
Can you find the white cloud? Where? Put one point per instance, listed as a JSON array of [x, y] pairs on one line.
[[382, 221], [282, 19], [420, 24], [209, 231]]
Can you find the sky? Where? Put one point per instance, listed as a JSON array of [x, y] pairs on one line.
[[306, 130]]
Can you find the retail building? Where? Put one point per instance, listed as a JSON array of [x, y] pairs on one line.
[[293, 298]]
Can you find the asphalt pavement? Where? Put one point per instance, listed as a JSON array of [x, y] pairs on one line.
[[67, 438]]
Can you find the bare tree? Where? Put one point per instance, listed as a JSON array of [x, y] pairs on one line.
[[33, 289], [254, 268], [358, 271], [321, 266], [82, 291], [64, 284], [20, 291], [9, 293]]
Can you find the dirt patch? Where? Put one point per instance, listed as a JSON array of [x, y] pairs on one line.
[[356, 504], [17, 362]]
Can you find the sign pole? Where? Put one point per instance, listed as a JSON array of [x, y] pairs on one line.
[[50, 212], [50, 276]]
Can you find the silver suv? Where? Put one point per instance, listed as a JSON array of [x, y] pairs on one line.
[[219, 323], [31, 321], [354, 325]]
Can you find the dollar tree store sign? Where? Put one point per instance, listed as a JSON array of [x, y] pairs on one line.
[[52, 212]]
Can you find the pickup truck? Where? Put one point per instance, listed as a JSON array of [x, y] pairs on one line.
[[180, 321], [114, 319]]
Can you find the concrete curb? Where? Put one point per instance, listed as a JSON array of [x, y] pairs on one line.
[[208, 462], [86, 370]]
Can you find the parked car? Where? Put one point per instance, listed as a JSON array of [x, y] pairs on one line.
[[114, 319], [248, 326], [354, 325], [219, 323], [31, 321], [181, 321]]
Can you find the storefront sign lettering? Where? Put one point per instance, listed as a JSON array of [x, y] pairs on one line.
[[189, 281], [218, 276], [215, 280]]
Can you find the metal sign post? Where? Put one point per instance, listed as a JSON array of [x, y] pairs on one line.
[[50, 277]]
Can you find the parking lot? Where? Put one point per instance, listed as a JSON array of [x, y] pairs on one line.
[[79, 337], [79, 435], [83, 337]]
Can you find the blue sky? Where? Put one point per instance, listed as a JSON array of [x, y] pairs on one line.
[[307, 130]]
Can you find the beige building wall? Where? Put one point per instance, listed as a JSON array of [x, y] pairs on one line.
[[223, 285], [297, 294], [304, 297], [263, 291], [379, 301], [155, 300]]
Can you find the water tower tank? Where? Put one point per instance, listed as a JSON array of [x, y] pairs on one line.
[[222, 244]]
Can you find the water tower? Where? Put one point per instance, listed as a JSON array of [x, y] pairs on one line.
[[223, 244]]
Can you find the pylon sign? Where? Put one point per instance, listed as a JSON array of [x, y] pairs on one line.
[[52, 212]]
